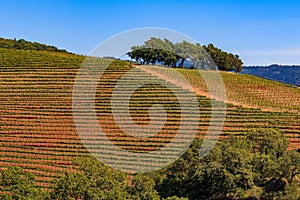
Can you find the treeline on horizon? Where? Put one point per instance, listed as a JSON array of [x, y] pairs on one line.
[[156, 50], [273, 65], [22, 44], [287, 74]]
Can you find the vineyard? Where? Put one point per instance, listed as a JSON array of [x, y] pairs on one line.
[[241, 89], [37, 130]]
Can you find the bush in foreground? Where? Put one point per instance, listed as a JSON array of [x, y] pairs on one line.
[[256, 166]]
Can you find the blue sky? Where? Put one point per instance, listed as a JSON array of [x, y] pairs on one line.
[[261, 32]]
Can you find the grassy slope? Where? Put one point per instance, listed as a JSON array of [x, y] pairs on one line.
[[37, 130]]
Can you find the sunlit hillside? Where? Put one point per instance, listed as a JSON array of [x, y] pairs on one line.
[[37, 130]]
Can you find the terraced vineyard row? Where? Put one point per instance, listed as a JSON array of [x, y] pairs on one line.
[[246, 90], [37, 130]]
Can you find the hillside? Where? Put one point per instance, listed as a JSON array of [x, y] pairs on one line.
[[26, 45], [252, 91], [281, 73], [37, 130], [241, 90]]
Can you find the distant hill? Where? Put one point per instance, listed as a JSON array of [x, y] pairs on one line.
[[282, 73], [26, 45]]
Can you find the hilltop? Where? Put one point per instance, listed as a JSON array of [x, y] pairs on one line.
[[27, 45]]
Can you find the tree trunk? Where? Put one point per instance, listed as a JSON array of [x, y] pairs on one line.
[[292, 177], [181, 63]]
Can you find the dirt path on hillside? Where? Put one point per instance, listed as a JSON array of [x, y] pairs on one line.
[[201, 92]]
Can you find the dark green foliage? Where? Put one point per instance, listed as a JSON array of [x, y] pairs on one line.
[[97, 181], [289, 165], [257, 165], [142, 187], [17, 184], [151, 56], [164, 51], [224, 60], [26, 45], [267, 141]]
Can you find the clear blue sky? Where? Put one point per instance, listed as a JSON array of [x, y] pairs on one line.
[[261, 32]]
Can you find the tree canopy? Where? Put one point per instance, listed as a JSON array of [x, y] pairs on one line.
[[156, 50], [256, 165], [17, 184]]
